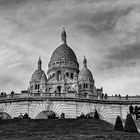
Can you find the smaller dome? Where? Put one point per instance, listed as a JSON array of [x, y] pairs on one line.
[[37, 75], [85, 72]]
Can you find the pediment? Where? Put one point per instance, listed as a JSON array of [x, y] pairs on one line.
[[51, 80]]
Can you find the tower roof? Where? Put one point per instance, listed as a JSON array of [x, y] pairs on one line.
[[63, 52], [36, 76], [85, 72]]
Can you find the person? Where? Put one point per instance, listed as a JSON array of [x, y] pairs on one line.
[[131, 109], [127, 97], [20, 116], [82, 115], [62, 115], [136, 111], [119, 96], [26, 116], [12, 94]]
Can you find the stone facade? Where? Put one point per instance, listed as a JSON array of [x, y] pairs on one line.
[[63, 75], [37, 108]]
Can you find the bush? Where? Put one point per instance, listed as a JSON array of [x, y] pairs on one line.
[[62, 115], [82, 115], [130, 124], [118, 124], [96, 116]]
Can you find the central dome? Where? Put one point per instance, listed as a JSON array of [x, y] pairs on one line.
[[63, 52], [63, 57]]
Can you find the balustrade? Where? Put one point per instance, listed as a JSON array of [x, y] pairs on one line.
[[68, 95]]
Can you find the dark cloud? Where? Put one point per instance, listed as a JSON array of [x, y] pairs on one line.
[[30, 28], [125, 53], [103, 20], [8, 3], [9, 80], [122, 57]]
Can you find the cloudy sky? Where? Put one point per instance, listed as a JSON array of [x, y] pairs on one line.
[[107, 32]]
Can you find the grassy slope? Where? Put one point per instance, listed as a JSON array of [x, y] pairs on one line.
[[67, 129]]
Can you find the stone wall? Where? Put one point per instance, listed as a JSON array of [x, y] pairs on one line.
[[71, 107]]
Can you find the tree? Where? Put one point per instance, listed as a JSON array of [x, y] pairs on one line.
[[96, 116], [130, 124], [136, 111], [82, 115], [131, 110], [118, 124], [62, 115], [106, 96]]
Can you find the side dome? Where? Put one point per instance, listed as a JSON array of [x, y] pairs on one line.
[[85, 73], [37, 75]]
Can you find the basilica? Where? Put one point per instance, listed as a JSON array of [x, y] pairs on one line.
[[63, 77]]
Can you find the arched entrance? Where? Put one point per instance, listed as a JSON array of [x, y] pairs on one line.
[[90, 115], [58, 75], [59, 89], [46, 115], [4, 116]]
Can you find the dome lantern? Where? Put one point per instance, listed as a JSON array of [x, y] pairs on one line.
[[39, 63], [85, 62], [64, 36]]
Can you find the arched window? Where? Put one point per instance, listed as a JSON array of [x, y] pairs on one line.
[[86, 85], [67, 74], [58, 75], [38, 86], [53, 75], [35, 86], [91, 86], [71, 75], [59, 89]]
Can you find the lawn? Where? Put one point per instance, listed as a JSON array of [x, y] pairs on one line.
[[61, 129]]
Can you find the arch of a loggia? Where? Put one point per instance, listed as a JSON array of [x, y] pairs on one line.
[[44, 114], [4, 116]]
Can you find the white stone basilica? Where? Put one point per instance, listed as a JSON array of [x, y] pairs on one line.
[[63, 75], [65, 89]]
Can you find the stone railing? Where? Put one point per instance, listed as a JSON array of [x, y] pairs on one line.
[[69, 95]]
